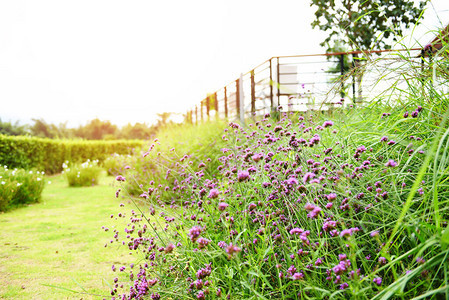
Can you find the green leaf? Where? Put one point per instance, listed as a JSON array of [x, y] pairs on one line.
[[445, 239]]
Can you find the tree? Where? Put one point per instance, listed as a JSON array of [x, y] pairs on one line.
[[365, 24], [8, 128], [163, 119], [97, 130], [138, 131], [42, 129]]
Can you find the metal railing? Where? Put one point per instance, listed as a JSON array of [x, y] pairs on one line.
[[303, 82]]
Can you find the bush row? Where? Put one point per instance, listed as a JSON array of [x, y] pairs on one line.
[[49, 155]]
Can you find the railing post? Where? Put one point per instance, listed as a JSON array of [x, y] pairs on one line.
[[277, 83], [342, 72], [253, 94], [353, 78], [271, 85], [237, 97], [226, 102], [202, 116], [196, 114], [207, 106], [216, 106], [241, 100]]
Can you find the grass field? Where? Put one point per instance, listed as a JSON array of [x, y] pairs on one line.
[[59, 242]]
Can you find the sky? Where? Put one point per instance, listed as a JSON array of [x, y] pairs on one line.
[[125, 61]]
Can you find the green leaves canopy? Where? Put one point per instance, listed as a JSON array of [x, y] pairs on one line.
[[365, 24]]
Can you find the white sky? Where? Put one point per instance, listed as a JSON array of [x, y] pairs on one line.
[[125, 61]]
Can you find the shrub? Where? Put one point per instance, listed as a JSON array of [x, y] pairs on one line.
[[85, 174], [49, 155], [19, 187], [350, 207], [117, 164], [175, 148]]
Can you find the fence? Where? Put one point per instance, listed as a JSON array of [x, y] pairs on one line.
[[307, 82]]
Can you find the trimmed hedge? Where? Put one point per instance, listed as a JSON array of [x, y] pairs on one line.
[[48, 154]]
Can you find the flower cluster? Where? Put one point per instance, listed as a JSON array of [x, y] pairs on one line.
[[289, 203]]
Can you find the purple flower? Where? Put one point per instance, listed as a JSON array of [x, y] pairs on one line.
[[257, 157], [222, 206], [420, 260], [343, 286], [222, 244], [328, 124], [232, 249], [331, 196], [200, 295], [346, 233], [213, 193], [314, 213], [308, 176], [292, 180], [391, 163], [195, 232], [169, 248], [377, 280], [242, 175], [202, 242], [296, 230], [328, 226], [297, 276], [309, 206], [120, 178]]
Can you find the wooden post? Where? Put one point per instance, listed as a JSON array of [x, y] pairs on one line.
[[216, 105], [277, 83], [207, 106], [226, 102], [241, 101], [237, 97], [202, 117], [271, 85], [253, 94], [342, 73], [196, 114]]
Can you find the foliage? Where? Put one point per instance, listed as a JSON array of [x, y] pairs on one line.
[[19, 187], [351, 205], [85, 174], [365, 24], [49, 155], [342, 65], [138, 131], [8, 128], [97, 130], [94, 130], [117, 164], [195, 145]]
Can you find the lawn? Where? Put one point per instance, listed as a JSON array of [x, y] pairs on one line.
[[57, 245]]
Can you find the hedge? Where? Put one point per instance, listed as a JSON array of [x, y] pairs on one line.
[[48, 155]]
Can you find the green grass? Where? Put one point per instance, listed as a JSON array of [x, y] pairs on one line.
[[59, 242]]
